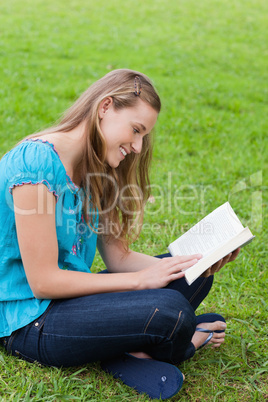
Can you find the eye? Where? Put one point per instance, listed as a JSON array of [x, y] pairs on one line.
[[136, 131]]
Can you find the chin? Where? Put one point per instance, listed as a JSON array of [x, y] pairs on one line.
[[113, 164]]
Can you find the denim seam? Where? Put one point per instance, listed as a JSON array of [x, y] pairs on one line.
[[25, 357], [90, 337], [155, 311], [198, 290], [175, 325], [13, 335], [10, 341]]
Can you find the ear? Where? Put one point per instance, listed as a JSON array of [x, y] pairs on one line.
[[105, 106]]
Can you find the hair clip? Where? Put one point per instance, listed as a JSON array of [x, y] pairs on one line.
[[137, 85]]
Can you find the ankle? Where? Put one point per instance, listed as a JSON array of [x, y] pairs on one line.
[[140, 355]]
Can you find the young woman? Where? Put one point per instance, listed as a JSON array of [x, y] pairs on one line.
[[80, 184]]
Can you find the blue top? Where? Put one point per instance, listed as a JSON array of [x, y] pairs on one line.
[[35, 161]]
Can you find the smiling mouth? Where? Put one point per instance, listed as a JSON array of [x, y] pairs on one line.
[[123, 151]]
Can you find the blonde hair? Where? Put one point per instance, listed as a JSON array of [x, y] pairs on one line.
[[118, 218]]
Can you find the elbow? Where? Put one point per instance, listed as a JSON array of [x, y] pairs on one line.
[[41, 290], [46, 285], [40, 294]]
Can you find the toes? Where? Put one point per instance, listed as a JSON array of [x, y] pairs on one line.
[[213, 340], [217, 339], [219, 326], [214, 326], [219, 336]]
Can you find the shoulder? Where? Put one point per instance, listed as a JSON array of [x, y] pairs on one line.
[[31, 155], [32, 162], [33, 152]]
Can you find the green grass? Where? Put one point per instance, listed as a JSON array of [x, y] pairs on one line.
[[208, 60]]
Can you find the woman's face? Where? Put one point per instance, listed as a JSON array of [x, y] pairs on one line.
[[124, 129]]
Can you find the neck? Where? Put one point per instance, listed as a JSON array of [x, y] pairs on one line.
[[70, 147]]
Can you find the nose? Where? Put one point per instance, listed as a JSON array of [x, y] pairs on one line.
[[136, 145]]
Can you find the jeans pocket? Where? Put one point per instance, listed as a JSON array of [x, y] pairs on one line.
[[23, 344], [20, 355], [152, 315]]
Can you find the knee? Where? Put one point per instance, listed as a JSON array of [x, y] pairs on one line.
[[186, 322], [174, 302], [174, 315]]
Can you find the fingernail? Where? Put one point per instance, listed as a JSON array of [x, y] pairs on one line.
[[223, 325]]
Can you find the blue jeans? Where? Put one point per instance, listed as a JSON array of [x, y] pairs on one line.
[[72, 332]]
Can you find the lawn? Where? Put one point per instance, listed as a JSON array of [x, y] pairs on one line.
[[208, 60]]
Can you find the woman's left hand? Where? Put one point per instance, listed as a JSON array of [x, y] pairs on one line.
[[218, 265]]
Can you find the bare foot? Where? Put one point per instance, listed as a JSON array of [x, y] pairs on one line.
[[217, 339]]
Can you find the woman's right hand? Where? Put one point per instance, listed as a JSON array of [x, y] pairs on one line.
[[165, 270]]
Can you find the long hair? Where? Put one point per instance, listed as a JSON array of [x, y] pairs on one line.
[[118, 194]]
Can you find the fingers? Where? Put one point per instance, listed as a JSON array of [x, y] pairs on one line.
[[187, 261], [217, 266], [182, 258], [166, 270], [207, 273], [184, 265], [176, 264], [228, 258], [214, 268], [184, 262], [234, 254]]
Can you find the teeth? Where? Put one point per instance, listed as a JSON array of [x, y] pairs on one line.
[[123, 151]]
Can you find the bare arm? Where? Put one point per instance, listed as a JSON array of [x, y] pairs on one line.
[[36, 231], [117, 259]]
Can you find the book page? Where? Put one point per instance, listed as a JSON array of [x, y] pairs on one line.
[[215, 229], [240, 240]]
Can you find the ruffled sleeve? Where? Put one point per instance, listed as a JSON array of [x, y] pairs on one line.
[[33, 163]]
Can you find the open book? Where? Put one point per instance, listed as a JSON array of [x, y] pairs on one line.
[[215, 236]]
